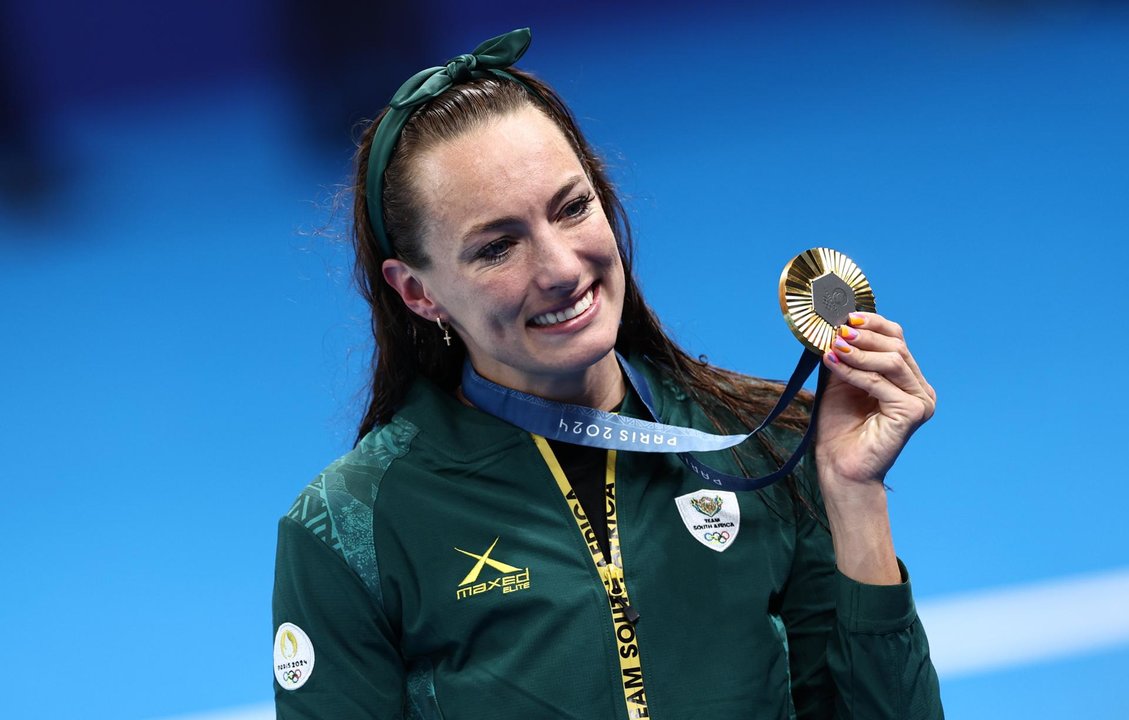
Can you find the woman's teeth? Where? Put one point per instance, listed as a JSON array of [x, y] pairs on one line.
[[567, 314]]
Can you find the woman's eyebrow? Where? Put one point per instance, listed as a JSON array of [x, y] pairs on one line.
[[566, 188], [489, 226], [502, 222]]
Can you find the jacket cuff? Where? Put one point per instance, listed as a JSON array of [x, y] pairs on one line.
[[875, 609]]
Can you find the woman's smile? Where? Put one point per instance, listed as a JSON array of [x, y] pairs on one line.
[[578, 310]]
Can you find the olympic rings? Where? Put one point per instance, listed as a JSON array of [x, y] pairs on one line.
[[292, 676], [718, 537]]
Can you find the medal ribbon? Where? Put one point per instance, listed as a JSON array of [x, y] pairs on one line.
[[581, 425], [611, 575]]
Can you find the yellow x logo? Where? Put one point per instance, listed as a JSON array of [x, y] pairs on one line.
[[483, 560]]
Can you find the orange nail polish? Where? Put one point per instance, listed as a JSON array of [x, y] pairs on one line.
[[841, 345], [849, 333], [855, 320]]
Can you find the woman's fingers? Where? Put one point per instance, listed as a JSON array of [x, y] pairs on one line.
[[884, 377], [873, 333], [872, 356]]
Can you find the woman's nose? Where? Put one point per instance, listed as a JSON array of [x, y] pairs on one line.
[[559, 266]]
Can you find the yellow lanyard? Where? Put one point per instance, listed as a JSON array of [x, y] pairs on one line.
[[611, 574]]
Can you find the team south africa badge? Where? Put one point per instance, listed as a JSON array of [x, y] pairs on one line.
[[713, 517]]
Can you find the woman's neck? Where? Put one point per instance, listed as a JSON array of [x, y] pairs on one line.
[[599, 386]]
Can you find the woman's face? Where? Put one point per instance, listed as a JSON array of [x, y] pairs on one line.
[[524, 264]]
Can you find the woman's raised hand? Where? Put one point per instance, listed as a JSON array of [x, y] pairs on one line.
[[875, 398]]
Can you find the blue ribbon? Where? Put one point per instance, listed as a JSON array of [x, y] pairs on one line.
[[581, 425]]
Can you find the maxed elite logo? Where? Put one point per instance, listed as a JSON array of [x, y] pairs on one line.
[[511, 580]]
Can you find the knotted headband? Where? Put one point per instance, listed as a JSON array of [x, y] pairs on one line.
[[491, 58]]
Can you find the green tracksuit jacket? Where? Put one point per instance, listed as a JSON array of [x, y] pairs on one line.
[[441, 570]]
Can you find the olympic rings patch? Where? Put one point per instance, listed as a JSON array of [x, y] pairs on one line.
[[293, 656], [717, 537]]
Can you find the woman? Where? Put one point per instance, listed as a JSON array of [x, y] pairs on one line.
[[453, 565]]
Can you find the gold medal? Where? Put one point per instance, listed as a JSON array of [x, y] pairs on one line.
[[818, 289]]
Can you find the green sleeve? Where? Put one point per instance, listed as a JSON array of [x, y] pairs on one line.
[[357, 672], [855, 651], [878, 654]]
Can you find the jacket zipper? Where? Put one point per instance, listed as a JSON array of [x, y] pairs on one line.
[[623, 614]]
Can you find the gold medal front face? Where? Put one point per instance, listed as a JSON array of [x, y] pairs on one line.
[[818, 289]]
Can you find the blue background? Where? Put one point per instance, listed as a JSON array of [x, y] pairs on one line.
[[181, 348]]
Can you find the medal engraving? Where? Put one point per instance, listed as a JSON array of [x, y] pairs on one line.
[[832, 298]]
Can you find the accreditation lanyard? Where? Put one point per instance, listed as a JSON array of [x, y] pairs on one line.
[[581, 425], [610, 570]]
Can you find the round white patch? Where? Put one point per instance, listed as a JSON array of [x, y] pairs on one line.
[[293, 656]]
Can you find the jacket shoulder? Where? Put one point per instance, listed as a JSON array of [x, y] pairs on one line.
[[337, 506]]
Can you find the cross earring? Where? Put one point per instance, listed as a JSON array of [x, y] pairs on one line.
[[446, 335]]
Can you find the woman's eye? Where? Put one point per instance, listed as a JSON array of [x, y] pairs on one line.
[[577, 207], [496, 251]]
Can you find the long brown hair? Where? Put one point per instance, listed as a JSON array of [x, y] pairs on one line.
[[407, 345]]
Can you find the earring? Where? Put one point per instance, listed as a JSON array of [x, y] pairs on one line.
[[446, 335]]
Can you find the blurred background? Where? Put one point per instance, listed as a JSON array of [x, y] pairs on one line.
[[181, 348]]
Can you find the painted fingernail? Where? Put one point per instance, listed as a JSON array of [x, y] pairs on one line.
[[855, 319], [849, 333], [833, 357], [841, 345]]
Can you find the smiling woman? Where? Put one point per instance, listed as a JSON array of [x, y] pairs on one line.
[[454, 565], [521, 259]]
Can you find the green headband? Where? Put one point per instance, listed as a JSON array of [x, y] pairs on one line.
[[488, 59]]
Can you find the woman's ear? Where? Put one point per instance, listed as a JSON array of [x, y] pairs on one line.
[[406, 281]]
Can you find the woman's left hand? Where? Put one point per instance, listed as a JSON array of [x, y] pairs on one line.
[[875, 398]]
